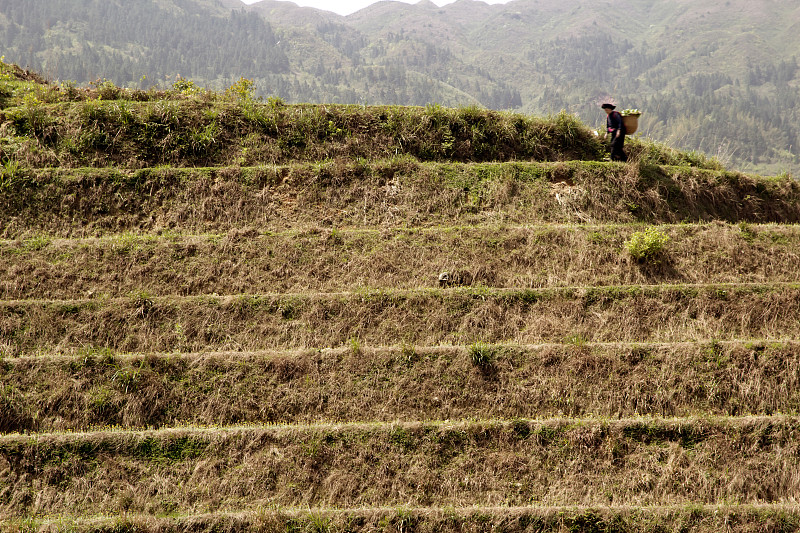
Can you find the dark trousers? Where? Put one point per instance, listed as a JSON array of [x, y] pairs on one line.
[[617, 143]]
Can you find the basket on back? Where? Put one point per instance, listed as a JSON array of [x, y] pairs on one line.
[[631, 123], [630, 119]]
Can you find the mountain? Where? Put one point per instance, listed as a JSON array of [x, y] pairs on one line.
[[719, 76], [290, 14]]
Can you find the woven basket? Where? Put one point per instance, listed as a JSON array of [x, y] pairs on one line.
[[631, 123]]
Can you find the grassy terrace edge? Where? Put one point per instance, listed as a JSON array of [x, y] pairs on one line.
[[696, 518], [195, 132], [47, 126]]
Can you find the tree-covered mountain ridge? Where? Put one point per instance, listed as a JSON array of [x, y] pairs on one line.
[[719, 77]]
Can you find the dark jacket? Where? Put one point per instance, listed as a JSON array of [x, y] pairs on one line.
[[614, 123]]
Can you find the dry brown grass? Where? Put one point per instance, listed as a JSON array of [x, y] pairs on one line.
[[574, 379], [333, 260], [144, 323], [293, 281], [638, 462], [392, 193]]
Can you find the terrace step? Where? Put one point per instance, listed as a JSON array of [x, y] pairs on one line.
[[391, 193], [575, 379], [636, 313], [545, 463], [334, 260]]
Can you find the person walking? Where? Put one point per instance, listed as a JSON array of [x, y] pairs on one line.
[[616, 128]]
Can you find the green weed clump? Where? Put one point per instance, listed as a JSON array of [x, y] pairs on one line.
[[186, 87], [5, 69], [748, 233], [9, 176], [107, 90], [482, 355], [242, 90], [647, 245]]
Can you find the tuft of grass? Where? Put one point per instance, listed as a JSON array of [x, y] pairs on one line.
[[9, 176], [647, 245], [317, 523], [408, 353], [107, 90], [483, 355], [242, 90], [355, 345], [186, 87], [747, 232], [36, 243], [143, 301], [580, 340]]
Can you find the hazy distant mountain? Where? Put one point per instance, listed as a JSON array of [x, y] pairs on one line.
[[719, 76], [290, 14]]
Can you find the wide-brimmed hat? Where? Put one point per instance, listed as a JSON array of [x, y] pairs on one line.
[[608, 106]]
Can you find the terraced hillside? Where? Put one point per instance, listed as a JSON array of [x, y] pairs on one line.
[[226, 315]]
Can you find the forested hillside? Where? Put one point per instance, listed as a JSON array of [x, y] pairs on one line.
[[719, 77], [140, 42]]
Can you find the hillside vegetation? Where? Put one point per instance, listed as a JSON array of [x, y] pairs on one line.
[[718, 77], [224, 314]]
